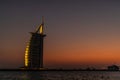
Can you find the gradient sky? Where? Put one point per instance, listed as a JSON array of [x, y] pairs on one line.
[[80, 33]]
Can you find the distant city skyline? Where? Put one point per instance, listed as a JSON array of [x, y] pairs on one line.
[[80, 33]]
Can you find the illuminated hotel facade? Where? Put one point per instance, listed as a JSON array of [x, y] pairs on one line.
[[34, 49]]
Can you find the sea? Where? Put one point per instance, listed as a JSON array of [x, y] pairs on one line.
[[59, 75]]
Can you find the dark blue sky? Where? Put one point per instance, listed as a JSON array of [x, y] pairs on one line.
[[79, 32]]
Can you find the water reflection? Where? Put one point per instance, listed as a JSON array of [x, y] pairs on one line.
[[33, 75], [64, 75], [59, 75], [70, 75]]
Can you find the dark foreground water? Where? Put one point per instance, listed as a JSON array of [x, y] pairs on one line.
[[59, 75]]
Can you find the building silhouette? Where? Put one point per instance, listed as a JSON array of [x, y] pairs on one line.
[[113, 68], [34, 49]]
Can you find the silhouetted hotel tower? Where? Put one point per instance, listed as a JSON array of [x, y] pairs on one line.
[[34, 49]]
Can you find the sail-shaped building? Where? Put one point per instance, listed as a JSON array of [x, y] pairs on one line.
[[34, 49]]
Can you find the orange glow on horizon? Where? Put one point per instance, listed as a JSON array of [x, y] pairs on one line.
[[85, 54]]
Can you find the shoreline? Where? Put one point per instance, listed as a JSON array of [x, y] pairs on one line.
[[55, 70]]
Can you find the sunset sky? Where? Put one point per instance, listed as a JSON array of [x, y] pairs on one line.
[[80, 33]]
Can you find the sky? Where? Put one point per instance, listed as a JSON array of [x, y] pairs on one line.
[[80, 33]]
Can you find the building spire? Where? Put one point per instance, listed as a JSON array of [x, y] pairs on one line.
[[41, 27], [43, 20]]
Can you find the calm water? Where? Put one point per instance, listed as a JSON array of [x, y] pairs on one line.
[[59, 75]]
